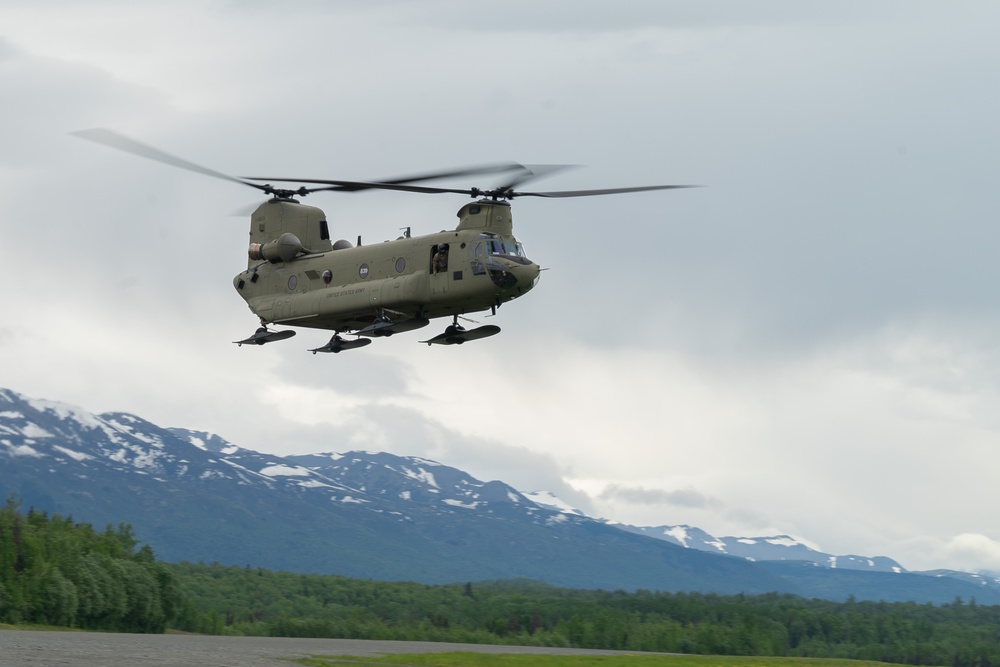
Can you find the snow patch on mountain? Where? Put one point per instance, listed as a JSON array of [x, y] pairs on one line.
[[550, 500], [459, 503], [25, 450], [34, 431], [75, 455], [315, 484], [679, 533], [421, 475], [281, 470], [783, 541], [65, 412]]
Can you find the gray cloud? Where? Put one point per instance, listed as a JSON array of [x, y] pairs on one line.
[[823, 309], [638, 495]]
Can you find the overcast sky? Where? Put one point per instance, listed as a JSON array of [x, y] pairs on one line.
[[808, 345]]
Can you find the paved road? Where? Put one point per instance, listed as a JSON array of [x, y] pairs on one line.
[[98, 649]]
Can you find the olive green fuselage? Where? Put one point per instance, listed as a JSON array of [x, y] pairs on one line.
[[297, 277]]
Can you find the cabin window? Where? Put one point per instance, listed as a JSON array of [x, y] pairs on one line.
[[439, 258], [363, 271], [293, 281], [400, 265], [328, 276]]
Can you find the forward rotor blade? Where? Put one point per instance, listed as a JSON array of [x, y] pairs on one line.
[[371, 185], [605, 191], [354, 186], [402, 184], [112, 139]]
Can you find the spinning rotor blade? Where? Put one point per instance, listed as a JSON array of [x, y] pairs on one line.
[[498, 193], [507, 191], [401, 184], [352, 186], [430, 176], [534, 171], [112, 139], [605, 191]]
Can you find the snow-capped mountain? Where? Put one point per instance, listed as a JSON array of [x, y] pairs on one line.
[[776, 548], [194, 496], [550, 500]]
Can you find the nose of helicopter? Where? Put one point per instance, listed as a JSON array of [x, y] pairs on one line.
[[513, 277], [525, 276]]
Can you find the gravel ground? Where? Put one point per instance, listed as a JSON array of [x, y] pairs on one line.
[[24, 648]]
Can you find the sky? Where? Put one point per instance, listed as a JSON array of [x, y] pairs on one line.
[[806, 345]]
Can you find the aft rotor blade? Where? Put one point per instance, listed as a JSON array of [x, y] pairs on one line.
[[112, 139], [605, 191], [383, 183], [370, 185], [535, 171], [465, 171]]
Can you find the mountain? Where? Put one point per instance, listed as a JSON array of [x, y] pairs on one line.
[[775, 548], [194, 496], [792, 559]]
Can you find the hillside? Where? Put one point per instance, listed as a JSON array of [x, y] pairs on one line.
[[195, 497]]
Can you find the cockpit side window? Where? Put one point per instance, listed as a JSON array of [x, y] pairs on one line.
[[514, 248]]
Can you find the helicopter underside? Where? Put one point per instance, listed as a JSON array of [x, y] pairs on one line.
[[394, 317]]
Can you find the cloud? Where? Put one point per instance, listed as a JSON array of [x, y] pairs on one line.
[[323, 420], [975, 552], [806, 346], [968, 552], [638, 495]]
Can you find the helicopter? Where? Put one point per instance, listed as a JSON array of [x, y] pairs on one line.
[[297, 277]]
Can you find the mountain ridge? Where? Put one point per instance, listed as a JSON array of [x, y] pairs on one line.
[[194, 496]]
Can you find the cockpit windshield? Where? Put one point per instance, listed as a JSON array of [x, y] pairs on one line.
[[491, 244]]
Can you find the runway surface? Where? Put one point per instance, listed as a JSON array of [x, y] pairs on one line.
[[22, 648]]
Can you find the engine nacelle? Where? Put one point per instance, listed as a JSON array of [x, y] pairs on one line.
[[282, 249]]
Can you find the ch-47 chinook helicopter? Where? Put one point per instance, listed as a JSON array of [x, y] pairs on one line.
[[296, 276]]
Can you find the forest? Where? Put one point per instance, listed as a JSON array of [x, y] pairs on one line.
[[59, 573], [260, 602]]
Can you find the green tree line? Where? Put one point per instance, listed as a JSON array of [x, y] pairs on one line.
[[57, 572], [252, 601]]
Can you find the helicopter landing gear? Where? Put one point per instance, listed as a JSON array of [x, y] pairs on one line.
[[456, 334], [264, 335], [337, 344]]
